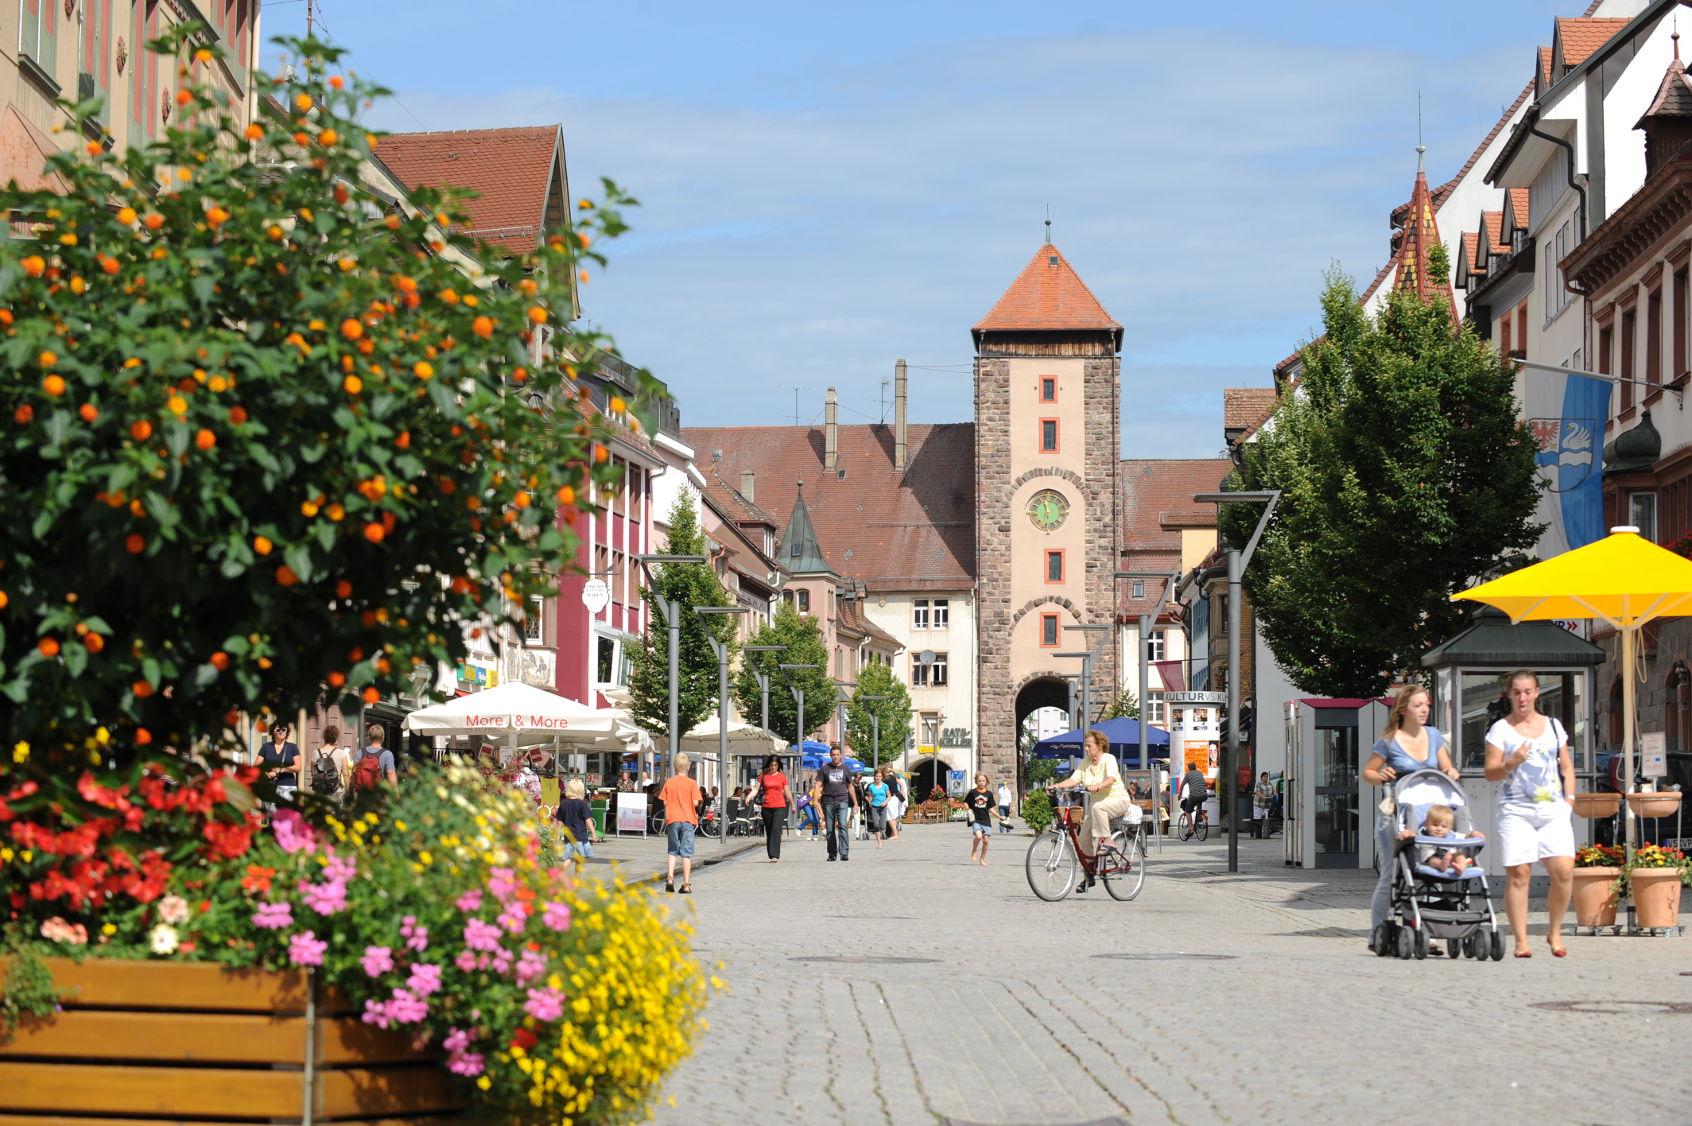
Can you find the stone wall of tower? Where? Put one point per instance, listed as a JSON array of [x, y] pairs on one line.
[[995, 735], [1009, 653]]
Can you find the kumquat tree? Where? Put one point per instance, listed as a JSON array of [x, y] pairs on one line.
[[272, 440], [267, 440]]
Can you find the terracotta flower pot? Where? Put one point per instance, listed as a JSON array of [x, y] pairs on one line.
[[1654, 804], [1656, 896], [1595, 896], [1596, 805], [154, 1041]]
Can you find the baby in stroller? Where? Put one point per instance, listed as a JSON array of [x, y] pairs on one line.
[[1438, 825], [1439, 888]]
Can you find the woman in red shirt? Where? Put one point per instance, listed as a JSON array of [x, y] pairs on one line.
[[777, 796]]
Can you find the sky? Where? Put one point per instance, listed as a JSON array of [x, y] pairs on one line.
[[828, 188]]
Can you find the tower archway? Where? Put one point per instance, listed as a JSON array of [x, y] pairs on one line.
[[1039, 692]]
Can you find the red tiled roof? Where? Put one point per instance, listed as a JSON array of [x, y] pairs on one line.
[[1471, 253], [1048, 294], [1516, 209], [1545, 65], [1493, 223], [1244, 407], [1578, 38], [852, 619], [733, 502], [909, 530], [1421, 235], [511, 171], [1156, 493], [1674, 96]]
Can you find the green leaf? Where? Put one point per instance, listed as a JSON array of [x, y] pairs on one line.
[[298, 558]]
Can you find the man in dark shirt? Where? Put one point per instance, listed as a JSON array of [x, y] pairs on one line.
[[1193, 789], [838, 798]]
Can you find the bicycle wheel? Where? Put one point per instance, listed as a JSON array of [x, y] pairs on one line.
[[1052, 866], [1185, 826], [1203, 828], [1124, 872]]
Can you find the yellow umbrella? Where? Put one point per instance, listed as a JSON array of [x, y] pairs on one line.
[[1622, 579]]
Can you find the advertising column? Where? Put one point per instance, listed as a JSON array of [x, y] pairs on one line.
[[1195, 739]]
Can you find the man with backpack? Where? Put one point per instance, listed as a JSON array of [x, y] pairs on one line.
[[375, 764], [330, 767]]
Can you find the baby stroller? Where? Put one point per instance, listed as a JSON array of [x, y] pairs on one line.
[[1429, 904]]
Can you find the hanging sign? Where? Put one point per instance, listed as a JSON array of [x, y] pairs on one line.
[[596, 595]]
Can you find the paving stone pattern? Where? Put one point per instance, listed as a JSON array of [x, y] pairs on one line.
[[1090, 1010]]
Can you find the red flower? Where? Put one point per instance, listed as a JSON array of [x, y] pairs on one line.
[[228, 841], [258, 879], [524, 1039]]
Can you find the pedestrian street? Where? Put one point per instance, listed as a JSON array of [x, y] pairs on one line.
[[910, 986]]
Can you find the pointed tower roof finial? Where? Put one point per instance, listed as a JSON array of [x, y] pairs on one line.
[[1420, 147], [1048, 224]]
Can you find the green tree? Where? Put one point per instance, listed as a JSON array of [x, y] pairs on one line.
[[1405, 474], [802, 644], [264, 441], [892, 716], [1125, 706], [687, 585]]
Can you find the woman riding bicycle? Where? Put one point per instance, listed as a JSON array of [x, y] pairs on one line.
[[1101, 777]]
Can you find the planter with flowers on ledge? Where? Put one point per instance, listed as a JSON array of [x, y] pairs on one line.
[[1597, 884], [157, 1041], [1655, 876]]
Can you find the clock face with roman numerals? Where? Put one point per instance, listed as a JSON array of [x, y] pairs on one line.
[[1048, 509]]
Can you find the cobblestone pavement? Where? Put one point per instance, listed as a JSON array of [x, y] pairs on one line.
[[1213, 998]]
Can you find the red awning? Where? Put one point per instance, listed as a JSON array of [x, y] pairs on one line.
[[1174, 677]]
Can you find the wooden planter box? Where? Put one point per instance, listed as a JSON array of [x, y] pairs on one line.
[[161, 1041]]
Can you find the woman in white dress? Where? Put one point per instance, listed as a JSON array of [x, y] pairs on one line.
[[1529, 753]]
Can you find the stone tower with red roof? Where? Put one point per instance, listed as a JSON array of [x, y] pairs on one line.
[[1047, 462]]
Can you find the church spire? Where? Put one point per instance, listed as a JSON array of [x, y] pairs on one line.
[[1667, 123], [1416, 269]]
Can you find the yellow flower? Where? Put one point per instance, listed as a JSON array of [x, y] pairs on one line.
[[108, 930], [482, 1082], [20, 752], [400, 825]]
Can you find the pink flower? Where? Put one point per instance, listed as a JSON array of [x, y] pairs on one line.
[[424, 980], [377, 960], [513, 919], [503, 883], [501, 960], [481, 936], [326, 898], [465, 961], [376, 1013], [274, 916], [292, 832], [173, 909], [544, 1004], [465, 1063], [556, 916], [470, 901], [341, 868], [306, 949], [456, 1040], [57, 930], [407, 1008], [531, 964], [415, 934]]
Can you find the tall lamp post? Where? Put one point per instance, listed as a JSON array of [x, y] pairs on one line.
[[1100, 628], [722, 650], [875, 729], [1086, 657], [799, 696], [1237, 560], [671, 609]]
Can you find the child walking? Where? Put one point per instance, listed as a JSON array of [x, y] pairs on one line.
[[680, 796]]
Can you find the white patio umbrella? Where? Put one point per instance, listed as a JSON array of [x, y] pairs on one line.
[[743, 739], [524, 715]]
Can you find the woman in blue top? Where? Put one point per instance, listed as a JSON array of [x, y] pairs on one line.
[[879, 792], [1408, 744]]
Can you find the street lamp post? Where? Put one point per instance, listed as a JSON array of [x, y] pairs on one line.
[[840, 704], [875, 729], [721, 649], [1237, 560], [799, 696], [671, 609], [1087, 657]]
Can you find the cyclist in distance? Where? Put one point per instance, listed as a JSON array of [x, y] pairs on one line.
[[1193, 789], [1103, 779]]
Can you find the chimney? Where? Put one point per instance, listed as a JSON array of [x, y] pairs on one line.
[[831, 431], [746, 480], [899, 414]]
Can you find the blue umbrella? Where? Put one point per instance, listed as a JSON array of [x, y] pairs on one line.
[[1124, 741]]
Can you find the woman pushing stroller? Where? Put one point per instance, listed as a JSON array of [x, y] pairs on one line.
[[1407, 745]]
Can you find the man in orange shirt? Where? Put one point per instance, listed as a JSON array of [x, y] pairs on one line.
[[680, 796]]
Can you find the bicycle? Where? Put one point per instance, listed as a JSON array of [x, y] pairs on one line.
[[1055, 857], [1196, 822]]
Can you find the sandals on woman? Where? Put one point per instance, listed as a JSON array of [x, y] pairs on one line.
[[687, 889]]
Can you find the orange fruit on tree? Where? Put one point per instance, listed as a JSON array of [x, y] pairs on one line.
[[87, 412], [143, 736], [4, 599], [374, 532], [337, 678], [351, 329], [93, 642], [372, 696], [219, 660], [205, 439], [482, 326], [141, 430], [48, 646], [54, 385], [537, 315], [285, 575], [47, 359], [24, 414], [134, 543], [262, 545], [142, 689], [343, 589]]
